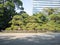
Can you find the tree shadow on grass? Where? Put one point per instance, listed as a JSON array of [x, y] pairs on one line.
[[31, 40]]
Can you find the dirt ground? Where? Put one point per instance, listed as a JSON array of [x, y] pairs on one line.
[[29, 38]]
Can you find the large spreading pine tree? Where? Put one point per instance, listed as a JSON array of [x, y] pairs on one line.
[[7, 11]]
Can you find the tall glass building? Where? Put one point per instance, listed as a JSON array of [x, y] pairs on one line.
[[38, 5]]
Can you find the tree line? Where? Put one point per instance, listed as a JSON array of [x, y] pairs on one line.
[[46, 20]]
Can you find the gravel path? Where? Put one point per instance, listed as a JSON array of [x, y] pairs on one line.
[[29, 38]]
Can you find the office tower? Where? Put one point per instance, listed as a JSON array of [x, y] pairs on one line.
[[38, 5]]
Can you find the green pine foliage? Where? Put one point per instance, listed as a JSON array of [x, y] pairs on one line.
[[7, 11], [38, 21], [47, 20]]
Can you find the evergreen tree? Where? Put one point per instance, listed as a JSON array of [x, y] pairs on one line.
[[7, 11]]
